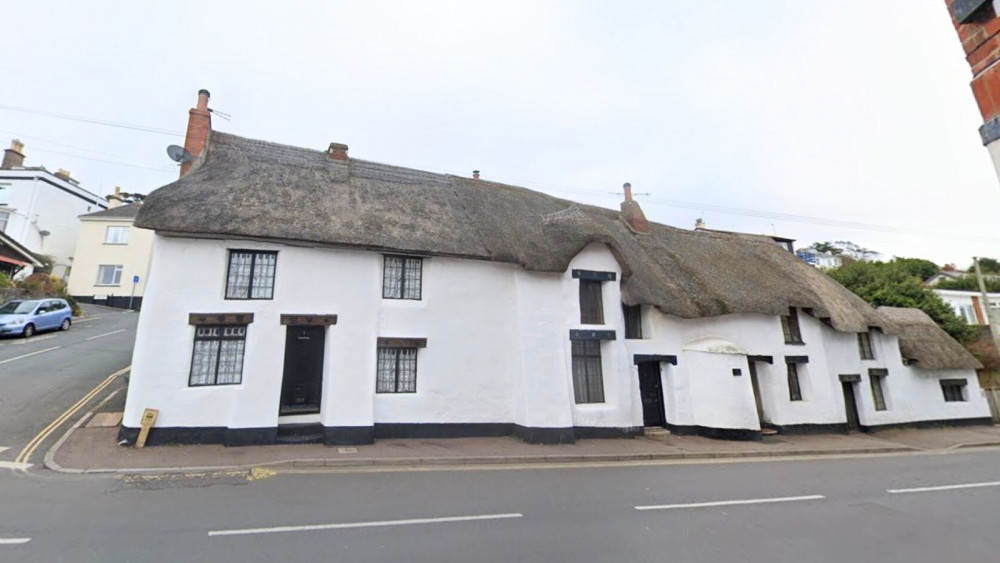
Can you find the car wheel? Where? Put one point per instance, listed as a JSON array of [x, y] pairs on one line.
[[65, 324], [29, 331]]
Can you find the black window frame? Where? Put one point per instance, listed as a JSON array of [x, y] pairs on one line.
[[591, 302], [865, 350], [222, 337], [397, 354], [950, 386], [403, 266], [588, 384], [250, 280], [633, 321], [790, 328], [877, 383], [794, 383]]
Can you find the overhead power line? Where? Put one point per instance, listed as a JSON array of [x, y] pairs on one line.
[[134, 127]]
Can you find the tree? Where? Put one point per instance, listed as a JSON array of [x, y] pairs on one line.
[[969, 283], [923, 269], [894, 284], [987, 266], [126, 197]]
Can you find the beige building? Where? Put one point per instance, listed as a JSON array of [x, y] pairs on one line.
[[111, 259]]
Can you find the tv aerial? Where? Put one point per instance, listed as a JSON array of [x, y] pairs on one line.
[[179, 154]]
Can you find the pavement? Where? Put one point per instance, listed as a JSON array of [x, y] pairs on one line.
[[43, 376], [92, 447]]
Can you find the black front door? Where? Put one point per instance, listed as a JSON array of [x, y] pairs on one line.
[[851, 405], [302, 383], [651, 391]]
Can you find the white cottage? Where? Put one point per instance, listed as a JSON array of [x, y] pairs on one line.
[[302, 295]]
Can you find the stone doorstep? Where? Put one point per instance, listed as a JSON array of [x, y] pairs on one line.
[[105, 420]]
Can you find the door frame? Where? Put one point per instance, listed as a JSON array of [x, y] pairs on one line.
[[851, 405], [319, 372], [648, 365]]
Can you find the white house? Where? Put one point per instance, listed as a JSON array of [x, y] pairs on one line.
[[969, 305], [304, 295], [39, 209], [111, 260]]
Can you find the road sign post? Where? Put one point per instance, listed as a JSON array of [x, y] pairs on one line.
[[135, 281]]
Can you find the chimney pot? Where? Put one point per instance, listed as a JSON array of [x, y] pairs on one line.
[[699, 224], [628, 191], [64, 174], [337, 151], [475, 174]]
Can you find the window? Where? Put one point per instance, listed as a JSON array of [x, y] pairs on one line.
[[401, 277], [591, 303], [953, 389], [588, 380], [4, 217], [251, 274], [116, 235], [878, 393], [108, 274], [397, 370], [969, 314], [865, 346], [633, 321], [790, 327], [218, 355], [794, 391]]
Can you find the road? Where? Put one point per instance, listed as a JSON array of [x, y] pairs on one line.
[[579, 514], [42, 376]]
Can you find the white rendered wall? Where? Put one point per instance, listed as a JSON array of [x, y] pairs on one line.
[[37, 205]]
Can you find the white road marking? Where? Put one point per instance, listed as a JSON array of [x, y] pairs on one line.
[[14, 541], [14, 465], [729, 502], [35, 339], [105, 334], [3, 449], [87, 319], [31, 354], [375, 524], [944, 488]]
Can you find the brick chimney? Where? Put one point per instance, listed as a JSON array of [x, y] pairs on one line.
[[199, 128], [337, 151], [632, 214], [14, 156], [978, 29], [475, 174]]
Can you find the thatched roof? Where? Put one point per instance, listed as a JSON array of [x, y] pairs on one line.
[[922, 341], [254, 189]]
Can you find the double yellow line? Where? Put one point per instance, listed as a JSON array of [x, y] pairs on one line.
[[29, 450]]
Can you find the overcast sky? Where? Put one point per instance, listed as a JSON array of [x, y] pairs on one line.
[[852, 111]]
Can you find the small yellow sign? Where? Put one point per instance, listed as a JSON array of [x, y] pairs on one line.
[[147, 422]]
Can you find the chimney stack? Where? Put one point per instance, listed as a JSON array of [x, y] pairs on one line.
[[14, 156], [699, 224], [64, 174], [198, 130], [475, 174], [337, 151], [632, 214], [115, 200]]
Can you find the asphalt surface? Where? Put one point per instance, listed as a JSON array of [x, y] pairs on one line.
[[42, 376], [503, 515]]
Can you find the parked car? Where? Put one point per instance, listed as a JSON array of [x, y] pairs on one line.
[[28, 316]]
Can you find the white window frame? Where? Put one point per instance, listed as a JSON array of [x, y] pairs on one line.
[[4, 219], [121, 236], [116, 275]]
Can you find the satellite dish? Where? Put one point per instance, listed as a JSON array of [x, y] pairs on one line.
[[178, 154]]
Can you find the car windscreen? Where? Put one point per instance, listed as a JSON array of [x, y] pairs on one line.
[[18, 307]]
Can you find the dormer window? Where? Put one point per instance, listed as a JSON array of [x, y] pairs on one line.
[[591, 295], [790, 327]]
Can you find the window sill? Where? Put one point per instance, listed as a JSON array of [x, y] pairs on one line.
[[116, 244], [107, 285], [795, 343]]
